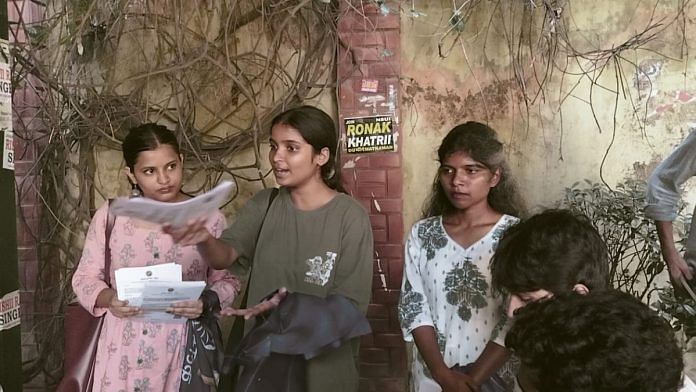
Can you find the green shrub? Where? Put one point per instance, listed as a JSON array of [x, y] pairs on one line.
[[636, 264]]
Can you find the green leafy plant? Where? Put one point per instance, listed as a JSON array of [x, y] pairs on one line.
[[636, 264], [681, 312]]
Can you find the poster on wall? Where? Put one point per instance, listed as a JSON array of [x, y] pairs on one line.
[[6, 107], [10, 328], [8, 151], [9, 310], [369, 134]]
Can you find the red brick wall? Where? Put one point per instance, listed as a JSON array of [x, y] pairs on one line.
[[369, 50], [25, 105]]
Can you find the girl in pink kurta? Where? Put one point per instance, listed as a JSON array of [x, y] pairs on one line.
[[134, 355]]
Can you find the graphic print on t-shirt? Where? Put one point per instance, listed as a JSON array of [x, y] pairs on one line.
[[320, 269]]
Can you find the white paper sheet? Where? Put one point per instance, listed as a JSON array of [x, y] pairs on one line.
[[161, 295], [154, 289], [175, 214], [130, 281], [158, 296]]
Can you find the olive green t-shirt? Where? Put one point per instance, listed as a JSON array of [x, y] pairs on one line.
[[320, 252]]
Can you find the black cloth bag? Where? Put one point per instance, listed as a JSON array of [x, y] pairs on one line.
[[274, 353]]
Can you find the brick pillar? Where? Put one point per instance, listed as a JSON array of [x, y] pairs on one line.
[[26, 125], [368, 72]]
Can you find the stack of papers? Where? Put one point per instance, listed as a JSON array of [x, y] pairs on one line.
[[154, 289], [175, 214]]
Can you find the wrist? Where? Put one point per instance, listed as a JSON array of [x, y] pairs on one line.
[[106, 297], [204, 245], [669, 252], [671, 261], [208, 240], [440, 373], [473, 379]]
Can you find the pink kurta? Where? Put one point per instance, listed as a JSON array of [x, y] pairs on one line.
[[134, 355]]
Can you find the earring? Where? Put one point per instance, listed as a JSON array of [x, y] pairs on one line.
[[330, 174], [135, 191]]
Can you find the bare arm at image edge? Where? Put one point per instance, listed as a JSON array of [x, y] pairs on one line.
[[662, 200], [675, 262]]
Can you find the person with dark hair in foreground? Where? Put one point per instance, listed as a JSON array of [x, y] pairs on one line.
[[555, 253], [601, 341], [551, 253]]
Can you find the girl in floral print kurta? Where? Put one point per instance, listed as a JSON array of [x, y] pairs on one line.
[[447, 286], [446, 303], [133, 355]]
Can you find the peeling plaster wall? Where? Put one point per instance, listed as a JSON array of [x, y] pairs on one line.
[[555, 141]]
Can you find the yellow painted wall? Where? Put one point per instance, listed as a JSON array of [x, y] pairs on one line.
[[555, 141]]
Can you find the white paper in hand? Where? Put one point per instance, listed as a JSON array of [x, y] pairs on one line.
[[176, 214], [130, 281], [154, 288], [161, 295], [156, 297]]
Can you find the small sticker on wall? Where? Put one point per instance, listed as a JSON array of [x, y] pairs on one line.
[[8, 151], [9, 310], [369, 85], [8, 156]]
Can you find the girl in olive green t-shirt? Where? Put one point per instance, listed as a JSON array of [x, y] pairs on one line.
[[314, 240]]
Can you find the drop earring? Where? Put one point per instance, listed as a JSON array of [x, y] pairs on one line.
[[330, 174], [135, 191]]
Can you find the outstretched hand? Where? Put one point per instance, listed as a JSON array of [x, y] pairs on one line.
[[192, 233], [260, 308]]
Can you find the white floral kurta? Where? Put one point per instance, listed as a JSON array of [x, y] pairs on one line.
[[448, 287]]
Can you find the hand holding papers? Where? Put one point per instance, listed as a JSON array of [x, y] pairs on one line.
[[176, 214], [130, 282], [155, 288]]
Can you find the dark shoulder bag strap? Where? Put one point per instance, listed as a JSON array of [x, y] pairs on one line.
[[110, 219], [243, 304], [237, 331]]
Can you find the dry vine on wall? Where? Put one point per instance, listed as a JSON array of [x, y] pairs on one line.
[[216, 71], [542, 54], [548, 56]]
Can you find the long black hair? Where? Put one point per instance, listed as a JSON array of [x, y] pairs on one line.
[[480, 142], [319, 130], [146, 137]]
